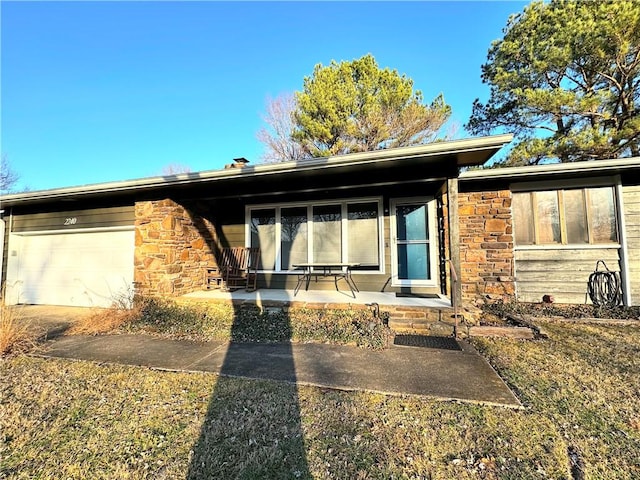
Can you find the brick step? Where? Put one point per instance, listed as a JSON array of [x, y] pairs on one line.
[[421, 326], [417, 314]]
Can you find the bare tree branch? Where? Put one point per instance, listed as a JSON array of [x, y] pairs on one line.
[[276, 136], [8, 176]]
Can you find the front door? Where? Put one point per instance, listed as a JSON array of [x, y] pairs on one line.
[[413, 246]]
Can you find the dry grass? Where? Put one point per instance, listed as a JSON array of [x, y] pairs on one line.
[[76, 420], [16, 334], [103, 320], [585, 379], [124, 310]]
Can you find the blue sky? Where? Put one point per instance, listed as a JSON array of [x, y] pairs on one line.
[[103, 91]]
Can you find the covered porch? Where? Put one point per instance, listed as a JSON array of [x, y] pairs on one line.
[[391, 216]]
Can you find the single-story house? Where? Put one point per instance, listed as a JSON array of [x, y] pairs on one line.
[[407, 217]]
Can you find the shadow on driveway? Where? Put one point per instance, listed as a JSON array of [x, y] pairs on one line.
[[49, 322]]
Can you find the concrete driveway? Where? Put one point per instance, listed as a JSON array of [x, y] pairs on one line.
[[51, 320]]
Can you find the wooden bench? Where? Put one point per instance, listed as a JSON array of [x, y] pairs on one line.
[[237, 268]]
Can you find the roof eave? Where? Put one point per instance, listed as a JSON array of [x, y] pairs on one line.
[[472, 151], [591, 168]]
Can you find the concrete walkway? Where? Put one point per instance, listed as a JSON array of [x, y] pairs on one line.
[[443, 374]]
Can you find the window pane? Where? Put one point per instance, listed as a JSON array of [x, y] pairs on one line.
[[263, 235], [602, 215], [412, 222], [293, 236], [575, 216], [327, 233], [413, 261], [523, 218], [362, 232], [548, 217]]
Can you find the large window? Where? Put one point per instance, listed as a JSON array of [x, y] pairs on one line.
[[263, 229], [561, 217], [327, 233], [340, 231], [293, 236]]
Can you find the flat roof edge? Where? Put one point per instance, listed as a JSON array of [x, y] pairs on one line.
[[589, 166], [452, 147]]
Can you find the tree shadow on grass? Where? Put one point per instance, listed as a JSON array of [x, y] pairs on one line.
[[253, 428]]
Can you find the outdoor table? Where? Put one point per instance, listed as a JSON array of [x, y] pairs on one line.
[[336, 270]]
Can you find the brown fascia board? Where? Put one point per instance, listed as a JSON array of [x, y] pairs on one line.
[[589, 168], [471, 151]]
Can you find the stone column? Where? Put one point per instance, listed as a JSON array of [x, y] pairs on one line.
[[486, 237], [172, 248]]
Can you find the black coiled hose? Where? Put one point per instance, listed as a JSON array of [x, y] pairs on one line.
[[604, 287]]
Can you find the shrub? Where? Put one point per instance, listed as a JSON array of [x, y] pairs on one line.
[[16, 334], [211, 321], [339, 326], [162, 316]]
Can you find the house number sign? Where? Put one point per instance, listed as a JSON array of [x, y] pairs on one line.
[[70, 221]]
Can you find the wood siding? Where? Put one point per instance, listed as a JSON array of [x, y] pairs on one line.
[[563, 273], [74, 219], [231, 235], [631, 201], [5, 250]]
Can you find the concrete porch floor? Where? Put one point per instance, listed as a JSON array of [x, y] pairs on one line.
[[335, 297]]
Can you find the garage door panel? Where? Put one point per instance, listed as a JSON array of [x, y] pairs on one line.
[[82, 269], [74, 291]]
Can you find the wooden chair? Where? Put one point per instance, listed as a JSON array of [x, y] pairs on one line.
[[243, 271], [237, 267], [213, 275]]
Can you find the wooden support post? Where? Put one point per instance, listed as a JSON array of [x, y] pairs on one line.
[[454, 239]]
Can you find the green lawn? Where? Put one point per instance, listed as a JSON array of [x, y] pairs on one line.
[[66, 419]]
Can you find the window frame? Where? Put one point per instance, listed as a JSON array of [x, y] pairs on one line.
[[343, 202], [559, 188]]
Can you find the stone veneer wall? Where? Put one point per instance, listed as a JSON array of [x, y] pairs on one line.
[[172, 248], [486, 245]]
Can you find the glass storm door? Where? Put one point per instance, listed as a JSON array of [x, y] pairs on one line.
[[411, 232]]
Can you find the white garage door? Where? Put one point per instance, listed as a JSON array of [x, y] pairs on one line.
[[77, 269]]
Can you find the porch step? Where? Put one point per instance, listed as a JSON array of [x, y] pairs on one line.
[[421, 320], [421, 327]]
